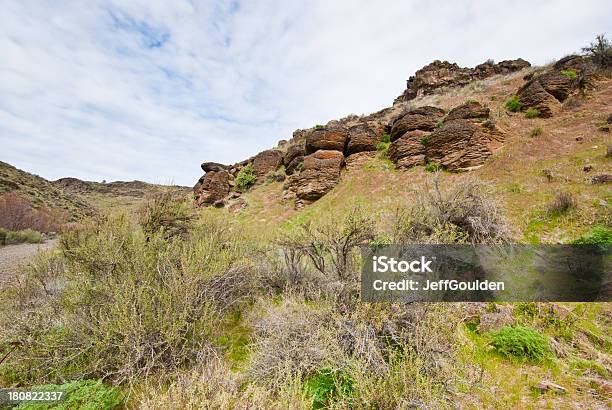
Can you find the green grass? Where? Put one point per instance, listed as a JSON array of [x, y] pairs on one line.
[[13, 237], [515, 188], [82, 394], [571, 74], [532, 113], [521, 342], [513, 104], [424, 140], [535, 132], [433, 167], [598, 234]]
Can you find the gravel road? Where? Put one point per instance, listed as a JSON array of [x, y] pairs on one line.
[[13, 256]]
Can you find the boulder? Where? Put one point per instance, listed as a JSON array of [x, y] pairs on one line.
[[556, 84], [361, 138], [461, 144], [408, 150], [533, 95], [213, 167], [212, 187], [422, 118], [320, 173], [326, 138], [267, 161], [471, 109]]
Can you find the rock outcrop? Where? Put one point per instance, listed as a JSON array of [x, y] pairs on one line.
[[469, 110], [408, 150], [266, 162], [214, 186], [361, 137], [441, 74], [326, 138], [422, 118], [320, 173], [545, 91], [462, 144]]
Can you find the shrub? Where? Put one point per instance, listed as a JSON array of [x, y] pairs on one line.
[[600, 51], [13, 237], [513, 104], [385, 137], [535, 132], [460, 213], [571, 74], [132, 305], [82, 394], [439, 124], [532, 113], [598, 234], [18, 213], [166, 213], [520, 342], [319, 127], [424, 140], [276, 176], [432, 167], [563, 202], [328, 384], [245, 178]]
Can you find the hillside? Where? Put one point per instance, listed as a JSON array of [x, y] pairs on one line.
[[247, 294], [76, 198], [40, 192]]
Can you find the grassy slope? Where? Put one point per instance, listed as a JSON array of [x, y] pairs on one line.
[[514, 175]]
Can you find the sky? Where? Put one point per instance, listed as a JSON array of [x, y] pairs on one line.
[[150, 89]]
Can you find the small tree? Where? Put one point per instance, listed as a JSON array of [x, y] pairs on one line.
[[600, 51]]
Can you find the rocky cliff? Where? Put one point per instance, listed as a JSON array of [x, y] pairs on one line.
[[459, 139]]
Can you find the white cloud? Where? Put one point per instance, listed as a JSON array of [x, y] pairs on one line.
[[145, 89]]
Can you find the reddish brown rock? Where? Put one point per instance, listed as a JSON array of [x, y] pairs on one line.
[[408, 150], [212, 187], [320, 173], [213, 166], [461, 144], [533, 95], [471, 109], [361, 138], [556, 84], [267, 161], [422, 118], [326, 138], [294, 156]]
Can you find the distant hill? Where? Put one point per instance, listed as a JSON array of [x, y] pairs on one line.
[[78, 198], [41, 192]]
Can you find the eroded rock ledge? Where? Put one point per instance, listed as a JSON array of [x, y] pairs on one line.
[[313, 159]]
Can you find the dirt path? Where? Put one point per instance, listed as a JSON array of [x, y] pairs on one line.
[[14, 256]]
